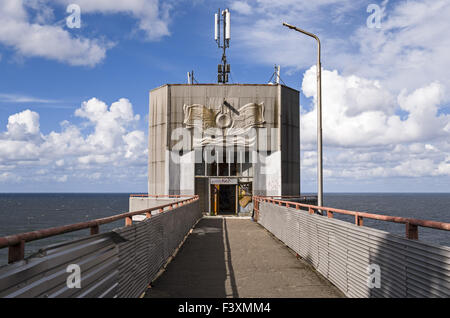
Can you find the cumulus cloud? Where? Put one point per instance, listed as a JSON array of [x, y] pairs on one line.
[[241, 7], [104, 144], [360, 112], [28, 27], [43, 40], [23, 124], [384, 90], [408, 51], [152, 15], [370, 134]]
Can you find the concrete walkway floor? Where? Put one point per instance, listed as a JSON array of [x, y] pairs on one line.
[[226, 257]]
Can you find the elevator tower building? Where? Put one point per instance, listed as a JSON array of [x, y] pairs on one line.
[[224, 143]]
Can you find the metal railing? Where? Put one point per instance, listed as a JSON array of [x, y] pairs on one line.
[[16, 242], [301, 197], [412, 225], [156, 196]]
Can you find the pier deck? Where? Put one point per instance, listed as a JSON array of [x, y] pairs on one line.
[[232, 257]]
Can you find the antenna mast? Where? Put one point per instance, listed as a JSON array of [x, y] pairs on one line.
[[223, 17]]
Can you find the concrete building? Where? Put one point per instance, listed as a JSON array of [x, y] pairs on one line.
[[225, 143]]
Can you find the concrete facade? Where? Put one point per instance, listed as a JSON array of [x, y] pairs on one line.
[[261, 120]]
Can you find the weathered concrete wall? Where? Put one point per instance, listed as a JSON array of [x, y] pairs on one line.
[[142, 203], [290, 141], [268, 179], [181, 173], [157, 141], [212, 96], [171, 171]]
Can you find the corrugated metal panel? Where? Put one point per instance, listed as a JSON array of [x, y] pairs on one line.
[[150, 243], [44, 275], [120, 263], [342, 252]]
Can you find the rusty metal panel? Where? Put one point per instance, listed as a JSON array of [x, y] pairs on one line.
[[342, 252]]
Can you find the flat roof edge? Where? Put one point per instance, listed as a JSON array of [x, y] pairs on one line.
[[215, 84]]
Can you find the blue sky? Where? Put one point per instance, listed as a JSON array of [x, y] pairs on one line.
[[386, 90]]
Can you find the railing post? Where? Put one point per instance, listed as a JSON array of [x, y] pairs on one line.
[[94, 229], [358, 220], [16, 252], [412, 231], [128, 221]]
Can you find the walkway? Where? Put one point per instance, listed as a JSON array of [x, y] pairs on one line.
[[226, 257]]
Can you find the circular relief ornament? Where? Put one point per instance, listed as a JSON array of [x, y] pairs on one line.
[[223, 120]]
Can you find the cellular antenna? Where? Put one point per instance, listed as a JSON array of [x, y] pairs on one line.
[[224, 18]]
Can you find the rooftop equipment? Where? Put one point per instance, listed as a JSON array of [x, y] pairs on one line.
[[224, 18]]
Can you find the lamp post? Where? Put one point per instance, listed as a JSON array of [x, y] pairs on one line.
[[319, 114]]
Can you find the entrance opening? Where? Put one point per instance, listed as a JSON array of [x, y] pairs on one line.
[[227, 199], [223, 199]]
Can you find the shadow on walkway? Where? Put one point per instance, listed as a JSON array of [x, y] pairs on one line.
[[226, 257]]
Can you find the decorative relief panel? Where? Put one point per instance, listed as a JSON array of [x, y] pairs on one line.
[[233, 123], [226, 117]]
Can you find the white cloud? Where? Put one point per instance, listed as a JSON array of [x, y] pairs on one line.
[[110, 125], [8, 177], [153, 15], [383, 101], [16, 98], [63, 178], [111, 145], [360, 112], [22, 124], [408, 51], [28, 27], [366, 140], [48, 41], [241, 7]]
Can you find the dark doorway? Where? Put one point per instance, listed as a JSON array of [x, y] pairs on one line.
[[227, 199]]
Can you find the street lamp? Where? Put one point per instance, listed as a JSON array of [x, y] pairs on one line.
[[319, 114]]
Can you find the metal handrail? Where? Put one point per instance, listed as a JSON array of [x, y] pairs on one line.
[[292, 196], [412, 231], [16, 242], [169, 196]]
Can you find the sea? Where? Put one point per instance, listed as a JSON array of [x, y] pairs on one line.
[[26, 212]]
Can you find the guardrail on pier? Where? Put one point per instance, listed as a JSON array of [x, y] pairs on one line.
[[356, 258], [118, 263]]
